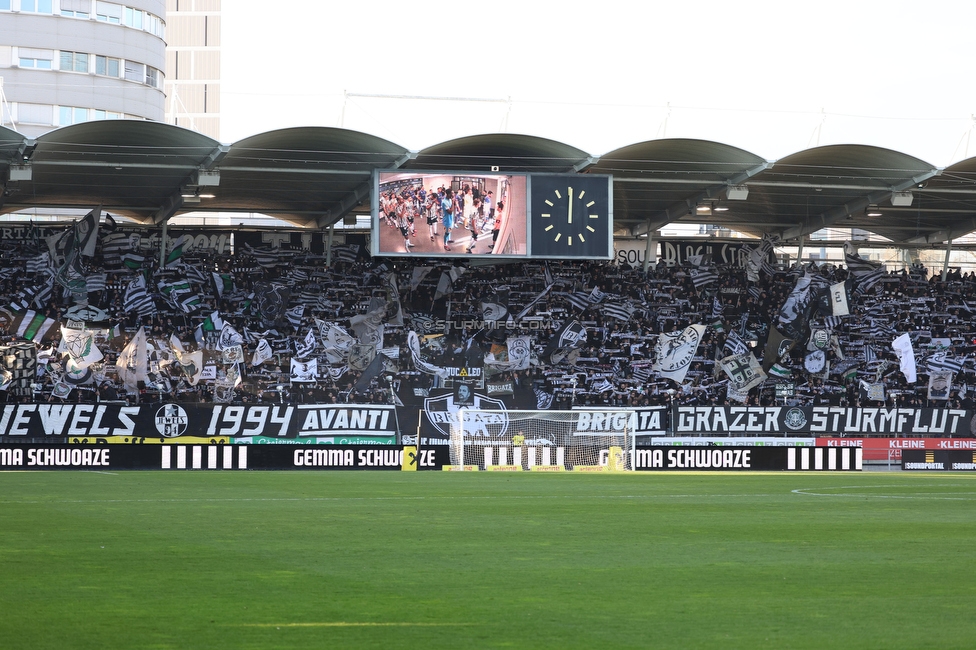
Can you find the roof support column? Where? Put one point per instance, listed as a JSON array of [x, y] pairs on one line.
[[647, 250], [945, 262], [328, 245], [162, 246], [799, 250]]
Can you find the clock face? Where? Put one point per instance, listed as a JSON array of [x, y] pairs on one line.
[[570, 216]]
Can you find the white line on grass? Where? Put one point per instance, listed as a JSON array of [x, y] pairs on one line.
[[933, 496], [349, 624], [574, 497]]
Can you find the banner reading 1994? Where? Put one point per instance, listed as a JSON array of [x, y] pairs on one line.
[[248, 424]]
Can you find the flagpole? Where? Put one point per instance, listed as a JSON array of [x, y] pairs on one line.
[[328, 246]]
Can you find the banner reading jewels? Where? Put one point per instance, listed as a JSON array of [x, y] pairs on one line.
[[251, 423]]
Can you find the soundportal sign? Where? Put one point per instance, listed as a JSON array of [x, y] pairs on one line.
[[676, 252]]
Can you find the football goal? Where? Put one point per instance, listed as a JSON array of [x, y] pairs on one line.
[[580, 439]]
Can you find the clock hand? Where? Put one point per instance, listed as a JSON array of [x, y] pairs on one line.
[[570, 198]]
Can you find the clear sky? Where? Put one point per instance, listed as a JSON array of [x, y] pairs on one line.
[[771, 77]]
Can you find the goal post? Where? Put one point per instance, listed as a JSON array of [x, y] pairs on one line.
[[514, 440]]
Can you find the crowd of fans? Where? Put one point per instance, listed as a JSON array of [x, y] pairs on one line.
[[621, 311]]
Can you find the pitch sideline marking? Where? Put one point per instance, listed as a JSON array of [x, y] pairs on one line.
[[574, 497], [935, 496], [349, 624]]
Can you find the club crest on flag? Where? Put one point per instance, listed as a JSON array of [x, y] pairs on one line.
[[442, 412], [360, 355]]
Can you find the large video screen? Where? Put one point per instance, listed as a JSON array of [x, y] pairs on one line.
[[452, 214]]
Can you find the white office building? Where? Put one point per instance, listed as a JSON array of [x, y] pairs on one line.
[[68, 61]]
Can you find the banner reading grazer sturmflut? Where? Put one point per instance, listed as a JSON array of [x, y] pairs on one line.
[[821, 420]]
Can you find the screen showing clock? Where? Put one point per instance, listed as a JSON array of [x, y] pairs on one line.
[[571, 216]]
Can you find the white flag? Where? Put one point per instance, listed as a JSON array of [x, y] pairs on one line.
[[674, 352], [906, 355], [80, 346], [262, 353], [413, 342], [838, 299], [743, 371], [304, 371], [132, 365], [940, 383]]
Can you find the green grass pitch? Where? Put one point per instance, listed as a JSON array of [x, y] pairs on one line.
[[447, 560]]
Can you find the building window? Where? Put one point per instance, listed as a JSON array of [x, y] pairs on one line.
[[107, 66], [107, 115], [74, 61], [40, 64], [108, 12], [154, 25], [4, 5], [37, 6], [135, 71], [76, 8], [133, 17], [35, 114], [71, 115], [152, 77]]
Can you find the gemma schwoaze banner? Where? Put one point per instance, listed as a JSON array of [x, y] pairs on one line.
[[220, 457]]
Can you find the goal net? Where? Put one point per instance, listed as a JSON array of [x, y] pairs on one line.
[[587, 440]]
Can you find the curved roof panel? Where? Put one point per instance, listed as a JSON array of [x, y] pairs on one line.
[[658, 181], [131, 165], [508, 151], [302, 174], [10, 142], [819, 187]]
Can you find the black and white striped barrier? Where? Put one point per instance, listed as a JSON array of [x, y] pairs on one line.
[[203, 457], [824, 458]]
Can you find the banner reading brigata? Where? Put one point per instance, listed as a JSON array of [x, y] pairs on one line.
[[249, 423], [440, 413]]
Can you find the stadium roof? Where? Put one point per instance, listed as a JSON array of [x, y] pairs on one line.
[[313, 176]]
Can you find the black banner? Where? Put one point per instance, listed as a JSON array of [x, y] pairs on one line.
[[219, 240], [822, 420], [313, 423], [433, 416], [677, 252], [735, 459], [440, 412], [221, 456]]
